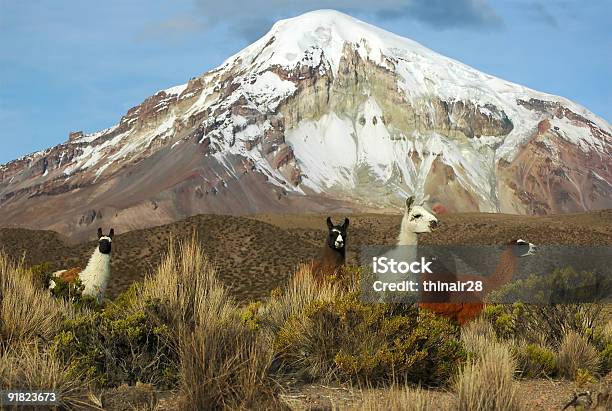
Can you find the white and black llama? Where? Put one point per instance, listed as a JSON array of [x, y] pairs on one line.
[[333, 255], [97, 273]]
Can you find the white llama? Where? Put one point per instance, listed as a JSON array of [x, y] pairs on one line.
[[97, 273], [417, 219]]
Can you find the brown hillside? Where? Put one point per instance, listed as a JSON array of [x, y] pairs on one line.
[[256, 254]]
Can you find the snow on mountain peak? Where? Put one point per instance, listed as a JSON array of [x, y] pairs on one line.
[[326, 30], [323, 34], [327, 104]]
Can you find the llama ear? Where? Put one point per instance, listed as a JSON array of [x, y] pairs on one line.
[[112, 233], [409, 202], [346, 223], [100, 232], [330, 225]]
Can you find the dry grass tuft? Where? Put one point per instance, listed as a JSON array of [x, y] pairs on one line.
[[395, 399], [223, 364], [487, 382], [301, 291], [575, 354], [478, 336], [27, 313], [28, 367], [186, 287]]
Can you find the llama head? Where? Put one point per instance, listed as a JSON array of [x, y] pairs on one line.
[[337, 235], [105, 241], [418, 218], [521, 248]]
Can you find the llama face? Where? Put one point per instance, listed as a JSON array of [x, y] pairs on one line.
[[421, 219], [522, 248], [337, 234], [105, 245], [105, 241]]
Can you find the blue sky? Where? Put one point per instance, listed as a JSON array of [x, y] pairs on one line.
[[80, 65]]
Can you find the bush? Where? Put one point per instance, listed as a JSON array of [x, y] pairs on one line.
[[119, 344], [560, 301], [486, 383], [561, 286], [576, 353], [41, 275], [602, 340], [535, 361], [375, 343], [543, 323], [605, 358]]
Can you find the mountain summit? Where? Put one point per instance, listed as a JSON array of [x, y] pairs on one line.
[[323, 112]]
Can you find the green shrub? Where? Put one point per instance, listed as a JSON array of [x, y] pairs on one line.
[[536, 323], [502, 318], [560, 301], [584, 377], [346, 339], [535, 361], [606, 358], [41, 275], [561, 286], [118, 345], [251, 316]]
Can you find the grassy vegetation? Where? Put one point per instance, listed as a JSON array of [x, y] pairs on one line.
[[486, 383], [577, 357], [181, 330], [396, 398]]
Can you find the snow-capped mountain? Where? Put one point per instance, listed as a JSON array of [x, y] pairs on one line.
[[323, 112]]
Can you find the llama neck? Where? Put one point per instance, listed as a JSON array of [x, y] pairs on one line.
[[504, 272], [331, 252], [97, 273], [407, 235]]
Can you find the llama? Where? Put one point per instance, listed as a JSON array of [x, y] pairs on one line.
[[464, 307], [416, 220], [333, 255], [97, 273]]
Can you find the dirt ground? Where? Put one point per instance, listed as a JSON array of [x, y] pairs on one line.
[[537, 395]]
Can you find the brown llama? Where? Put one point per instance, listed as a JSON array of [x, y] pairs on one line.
[[466, 306], [333, 255]]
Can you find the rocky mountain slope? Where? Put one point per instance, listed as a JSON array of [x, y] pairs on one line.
[[323, 112]]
